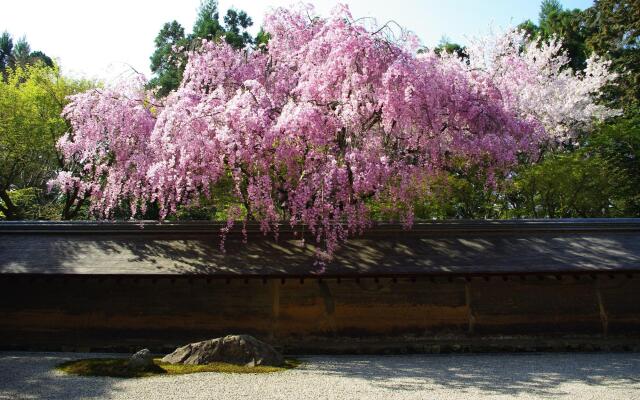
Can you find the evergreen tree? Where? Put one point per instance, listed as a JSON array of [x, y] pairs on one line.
[[615, 27], [170, 57], [19, 54], [570, 25]]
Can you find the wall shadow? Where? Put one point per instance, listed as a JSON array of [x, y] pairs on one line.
[[540, 374], [32, 376]]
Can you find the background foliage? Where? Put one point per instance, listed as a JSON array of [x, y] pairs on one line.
[[32, 96], [598, 175]]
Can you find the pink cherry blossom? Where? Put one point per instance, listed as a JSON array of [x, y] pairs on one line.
[[329, 117]]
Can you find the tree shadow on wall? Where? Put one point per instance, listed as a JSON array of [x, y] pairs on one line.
[[376, 252]]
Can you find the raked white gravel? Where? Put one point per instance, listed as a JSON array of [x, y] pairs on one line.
[[500, 376]]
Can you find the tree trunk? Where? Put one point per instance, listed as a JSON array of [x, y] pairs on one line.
[[70, 211]]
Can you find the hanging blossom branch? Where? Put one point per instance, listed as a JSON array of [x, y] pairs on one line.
[[325, 119]]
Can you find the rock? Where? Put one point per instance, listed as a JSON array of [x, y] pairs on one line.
[[142, 360], [233, 349]]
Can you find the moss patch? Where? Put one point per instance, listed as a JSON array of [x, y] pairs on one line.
[[119, 368]]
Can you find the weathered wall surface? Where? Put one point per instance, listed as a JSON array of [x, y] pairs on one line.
[[80, 312], [453, 285]]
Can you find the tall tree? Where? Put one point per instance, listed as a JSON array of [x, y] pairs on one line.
[[19, 54], [615, 26], [548, 8], [207, 25], [236, 24], [614, 32], [6, 51], [570, 25], [169, 59], [21, 51]]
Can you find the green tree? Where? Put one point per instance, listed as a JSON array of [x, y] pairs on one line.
[[207, 25], [447, 46], [236, 24], [31, 101], [570, 25], [548, 8], [615, 26], [19, 54], [567, 185], [460, 195], [618, 142], [262, 38], [6, 50], [170, 57], [21, 51]]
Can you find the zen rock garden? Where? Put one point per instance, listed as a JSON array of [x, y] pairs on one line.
[[228, 354], [232, 349], [322, 180]]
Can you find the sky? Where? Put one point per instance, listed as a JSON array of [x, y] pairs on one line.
[[100, 39]]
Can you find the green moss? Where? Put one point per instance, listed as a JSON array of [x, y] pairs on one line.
[[119, 367]]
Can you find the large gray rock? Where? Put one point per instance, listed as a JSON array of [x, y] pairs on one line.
[[233, 349], [142, 360]]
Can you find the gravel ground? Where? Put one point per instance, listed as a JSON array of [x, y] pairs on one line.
[[502, 376]]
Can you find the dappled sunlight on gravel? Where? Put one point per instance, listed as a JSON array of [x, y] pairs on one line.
[[499, 376]]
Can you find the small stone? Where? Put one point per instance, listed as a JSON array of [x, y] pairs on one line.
[[232, 349], [141, 360]]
